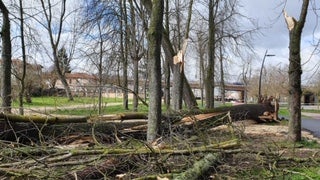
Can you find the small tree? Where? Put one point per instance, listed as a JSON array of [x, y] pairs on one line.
[[64, 61]]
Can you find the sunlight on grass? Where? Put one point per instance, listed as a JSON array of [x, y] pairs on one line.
[[283, 112], [54, 101], [90, 111]]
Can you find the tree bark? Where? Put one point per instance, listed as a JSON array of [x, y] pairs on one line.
[[136, 56], [295, 72], [221, 58], [24, 60], [124, 52], [166, 67], [209, 81], [6, 60], [177, 69], [154, 40]]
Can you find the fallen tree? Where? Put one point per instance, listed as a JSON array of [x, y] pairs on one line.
[[13, 127]]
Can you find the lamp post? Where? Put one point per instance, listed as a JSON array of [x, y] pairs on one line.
[[264, 58]]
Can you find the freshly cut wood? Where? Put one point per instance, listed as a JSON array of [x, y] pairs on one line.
[[199, 117]]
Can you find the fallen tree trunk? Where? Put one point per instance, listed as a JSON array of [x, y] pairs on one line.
[[31, 128], [246, 111], [50, 119]]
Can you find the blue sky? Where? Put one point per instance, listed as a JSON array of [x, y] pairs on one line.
[[275, 36]]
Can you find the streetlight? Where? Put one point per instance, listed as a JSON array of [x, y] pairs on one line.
[[264, 58]]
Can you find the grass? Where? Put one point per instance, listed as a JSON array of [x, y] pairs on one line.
[[284, 112], [295, 173], [60, 102], [54, 101], [112, 109]]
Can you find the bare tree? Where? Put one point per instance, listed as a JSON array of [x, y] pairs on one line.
[[6, 60], [55, 30], [154, 42], [136, 51], [169, 52], [124, 51], [295, 30], [98, 28], [201, 50], [246, 76], [24, 59]]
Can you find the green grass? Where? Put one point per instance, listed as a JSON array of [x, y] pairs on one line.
[[297, 173], [310, 143], [284, 112], [111, 109], [304, 173], [54, 101]]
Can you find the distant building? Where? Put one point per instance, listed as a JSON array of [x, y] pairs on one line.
[[33, 78], [80, 84]]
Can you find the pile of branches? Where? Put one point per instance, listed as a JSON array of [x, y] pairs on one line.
[[51, 147]]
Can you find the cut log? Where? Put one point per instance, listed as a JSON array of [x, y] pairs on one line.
[[199, 117], [199, 168], [247, 111], [43, 119], [50, 119]]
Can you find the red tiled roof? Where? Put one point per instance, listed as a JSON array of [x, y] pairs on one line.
[[79, 76]]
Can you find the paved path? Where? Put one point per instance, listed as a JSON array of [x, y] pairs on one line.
[[311, 115], [311, 122]]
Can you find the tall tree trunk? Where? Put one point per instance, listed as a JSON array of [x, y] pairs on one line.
[[135, 56], [201, 52], [24, 61], [6, 59], [209, 81], [166, 69], [177, 69], [295, 71], [222, 83], [100, 70], [154, 39], [124, 52]]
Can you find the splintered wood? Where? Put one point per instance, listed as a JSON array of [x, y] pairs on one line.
[[199, 117]]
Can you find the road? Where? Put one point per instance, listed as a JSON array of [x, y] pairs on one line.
[[311, 122]]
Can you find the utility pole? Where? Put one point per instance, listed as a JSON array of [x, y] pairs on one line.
[[264, 58]]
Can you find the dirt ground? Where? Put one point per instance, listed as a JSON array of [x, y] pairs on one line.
[[266, 153]]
